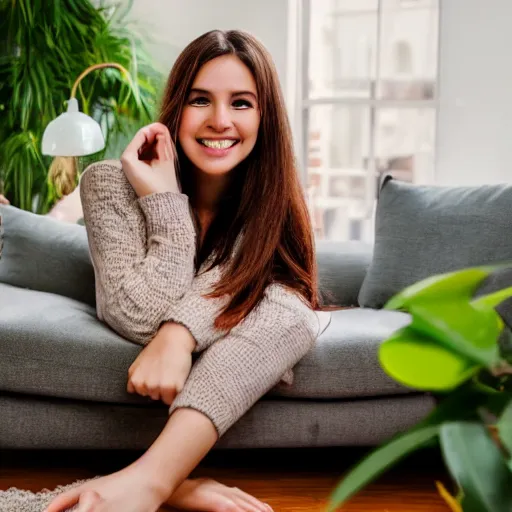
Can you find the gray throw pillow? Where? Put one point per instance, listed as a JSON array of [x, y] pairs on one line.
[[421, 231], [45, 254]]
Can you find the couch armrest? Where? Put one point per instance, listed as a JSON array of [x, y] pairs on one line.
[[342, 267]]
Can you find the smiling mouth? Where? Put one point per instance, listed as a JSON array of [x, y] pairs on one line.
[[218, 144]]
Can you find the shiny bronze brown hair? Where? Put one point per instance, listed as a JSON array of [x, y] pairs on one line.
[[264, 212]]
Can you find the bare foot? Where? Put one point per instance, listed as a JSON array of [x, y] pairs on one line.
[[89, 500], [205, 495]]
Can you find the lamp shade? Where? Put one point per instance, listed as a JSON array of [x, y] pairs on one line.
[[73, 133]]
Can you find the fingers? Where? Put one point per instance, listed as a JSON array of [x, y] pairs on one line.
[[170, 146], [137, 386], [168, 394], [153, 392], [132, 150], [162, 152], [165, 147], [145, 389], [147, 134], [4, 200]]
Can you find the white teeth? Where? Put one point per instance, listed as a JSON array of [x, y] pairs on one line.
[[218, 144]]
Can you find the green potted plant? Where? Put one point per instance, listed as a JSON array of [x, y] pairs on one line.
[[43, 49], [457, 347]]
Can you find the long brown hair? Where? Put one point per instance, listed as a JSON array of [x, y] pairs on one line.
[[265, 203]]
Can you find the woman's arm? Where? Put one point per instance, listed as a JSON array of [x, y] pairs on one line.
[[237, 370], [142, 250]]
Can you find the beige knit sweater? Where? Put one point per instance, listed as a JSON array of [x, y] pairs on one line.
[[143, 253]]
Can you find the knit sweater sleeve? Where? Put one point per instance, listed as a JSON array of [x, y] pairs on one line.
[[142, 250], [238, 369]]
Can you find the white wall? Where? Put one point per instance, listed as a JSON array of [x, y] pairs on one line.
[[175, 23], [474, 138]]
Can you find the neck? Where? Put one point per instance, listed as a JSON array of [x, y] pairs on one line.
[[208, 192]]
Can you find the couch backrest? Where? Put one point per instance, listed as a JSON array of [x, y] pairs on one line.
[[342, 267], [48, 255]]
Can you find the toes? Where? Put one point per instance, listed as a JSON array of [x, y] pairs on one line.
[[64, 501], [253, 503], [229, 506], [88, 501]]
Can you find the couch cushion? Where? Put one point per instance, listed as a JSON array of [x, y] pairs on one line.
[[344, 361], [55, 346], [46, 254], [421, 231], [55, 423]]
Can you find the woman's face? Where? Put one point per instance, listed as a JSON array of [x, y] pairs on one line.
[[221, 117]]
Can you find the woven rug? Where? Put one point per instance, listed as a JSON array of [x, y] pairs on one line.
[[17, 500]]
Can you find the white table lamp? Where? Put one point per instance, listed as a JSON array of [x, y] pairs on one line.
[[73, 134]]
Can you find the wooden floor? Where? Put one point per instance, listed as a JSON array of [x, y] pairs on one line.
[[289, 480]]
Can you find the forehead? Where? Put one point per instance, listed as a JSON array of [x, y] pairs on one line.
[[225, 73]]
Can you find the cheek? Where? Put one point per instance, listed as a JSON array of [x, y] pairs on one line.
[[249, 128]]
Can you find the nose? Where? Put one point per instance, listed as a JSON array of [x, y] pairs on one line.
[[220, 118]]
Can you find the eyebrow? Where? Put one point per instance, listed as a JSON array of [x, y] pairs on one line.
[[233, 93]]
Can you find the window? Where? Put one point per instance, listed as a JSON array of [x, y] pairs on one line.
[[403, 58], [367, 105]]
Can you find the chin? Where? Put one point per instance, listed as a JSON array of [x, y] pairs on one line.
[[216, 170]]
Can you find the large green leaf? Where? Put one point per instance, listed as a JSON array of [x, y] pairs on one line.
[[459, 405], [419, 362], [442, 308], [459, 284], [477, 465], [505, 431], [469, 331], [380, 460], [491, 300]]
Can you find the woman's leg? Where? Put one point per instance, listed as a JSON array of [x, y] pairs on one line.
[[159, 474], [187, 438]]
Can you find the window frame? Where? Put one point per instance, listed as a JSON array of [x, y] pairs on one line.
[[300, 103]]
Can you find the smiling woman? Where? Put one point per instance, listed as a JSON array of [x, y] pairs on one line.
[[201, 242]]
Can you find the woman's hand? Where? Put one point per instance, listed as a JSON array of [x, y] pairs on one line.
[[148, 161], [162, 368]]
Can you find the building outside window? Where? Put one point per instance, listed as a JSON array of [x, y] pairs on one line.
[[367, 105]]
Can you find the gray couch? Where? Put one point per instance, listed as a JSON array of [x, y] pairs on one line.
[[63, 373]]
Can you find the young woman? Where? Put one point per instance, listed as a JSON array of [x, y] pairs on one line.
[[201, 242]]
